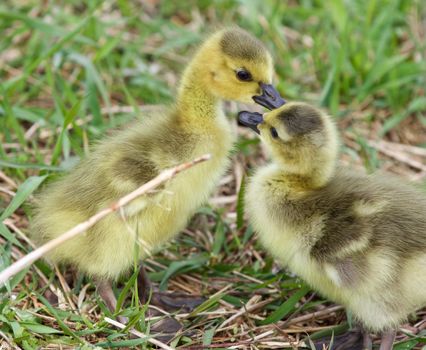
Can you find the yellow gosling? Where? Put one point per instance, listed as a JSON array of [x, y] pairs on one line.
[[230, 65]]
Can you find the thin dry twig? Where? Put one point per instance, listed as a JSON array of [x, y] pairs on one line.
[[9, 223], [399, 155], [418, 151], [28, 259], [8, 180], [17, 254]]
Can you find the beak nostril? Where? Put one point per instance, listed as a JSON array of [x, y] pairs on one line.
[[268, 92], [270, 98], [250, 119]]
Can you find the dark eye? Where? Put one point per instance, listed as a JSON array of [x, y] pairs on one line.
[[274, 133], [244, 75]]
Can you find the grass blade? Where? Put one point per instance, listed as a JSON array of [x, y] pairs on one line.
[[191, 263], [28, 187], [13, 165], [4, 231], [61, 324], [240, 203], [286, 307]]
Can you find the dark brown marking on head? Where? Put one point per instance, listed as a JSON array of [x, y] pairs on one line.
[[300, 120], [238, 43]]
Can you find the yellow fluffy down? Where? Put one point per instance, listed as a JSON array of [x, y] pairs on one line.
[[358, 240], [195, 125]]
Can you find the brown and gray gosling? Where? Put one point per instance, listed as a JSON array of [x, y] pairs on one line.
[[359, 240]]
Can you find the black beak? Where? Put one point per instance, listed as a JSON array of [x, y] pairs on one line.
[[270, 97], [250, 119]]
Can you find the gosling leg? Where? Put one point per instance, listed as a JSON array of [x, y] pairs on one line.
[[104, 289], [170, 302], [387, 340], [367, 344], [144, 285]]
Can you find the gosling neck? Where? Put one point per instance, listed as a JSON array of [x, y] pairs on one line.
[[310, 178], [195, 104]]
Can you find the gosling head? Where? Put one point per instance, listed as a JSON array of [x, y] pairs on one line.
[[234, 65], [302, 139]]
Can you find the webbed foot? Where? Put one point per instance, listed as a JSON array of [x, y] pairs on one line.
[[167, 327], [167, 301], [173, 302]]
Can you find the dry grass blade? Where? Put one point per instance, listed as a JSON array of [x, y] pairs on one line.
[[249, 307], [8, 342], [314, 315], [28, 259]]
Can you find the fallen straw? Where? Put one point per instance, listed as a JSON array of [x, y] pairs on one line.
[[36, 254]]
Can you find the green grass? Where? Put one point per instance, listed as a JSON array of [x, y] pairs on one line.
[[69, 72]]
